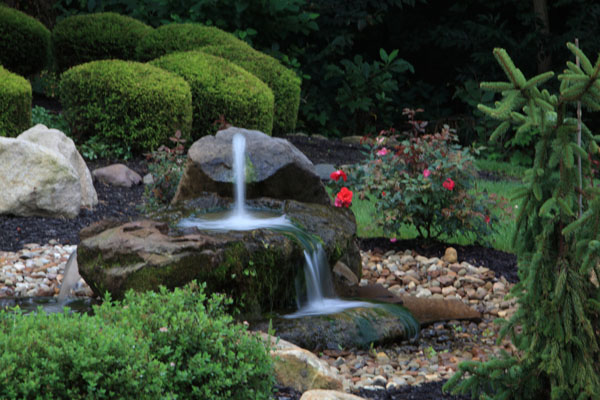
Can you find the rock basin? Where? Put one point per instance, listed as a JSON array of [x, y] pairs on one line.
[[256, 268]]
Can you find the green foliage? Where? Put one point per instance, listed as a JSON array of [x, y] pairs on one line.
[[74, 356], [365, 91], [166, 167], [424, 182], [162, 345], [82, 38], [25, 44], [206, 355], [39, 115], [221, 89], [124, 106], [283, 82], [15, 103], [182, 37], [556, 240]]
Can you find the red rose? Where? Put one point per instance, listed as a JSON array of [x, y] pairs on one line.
[[337, 174], [487, 219], [448, 184], [343, 198]]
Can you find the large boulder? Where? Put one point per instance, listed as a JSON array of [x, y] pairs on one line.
[[60, 143], [257, 268], [276, 169], [35, 180]]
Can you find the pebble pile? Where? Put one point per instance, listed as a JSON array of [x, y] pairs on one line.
[[441, 346], [37, 270]]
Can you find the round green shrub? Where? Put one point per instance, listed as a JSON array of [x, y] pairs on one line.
[[15, 103], [171, 38], [74, 356], [81, 38], [221, 89], [207, 355], [125, 103], [284, 82], [24, 42]]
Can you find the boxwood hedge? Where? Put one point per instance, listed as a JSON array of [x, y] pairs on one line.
[[81, 38], [126, 103], [284, 82], [24, 42], [220, 88], [171, 38], [15, 103]]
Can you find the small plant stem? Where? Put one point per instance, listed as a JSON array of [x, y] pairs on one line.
[[579, 142]]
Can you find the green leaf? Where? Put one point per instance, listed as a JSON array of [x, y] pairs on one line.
[[565, 207], [537, 191], [548, 206], [539, 79], [584, 61], [500, 130], [497, 86]]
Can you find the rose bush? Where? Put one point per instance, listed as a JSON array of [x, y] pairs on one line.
[[424, 182]]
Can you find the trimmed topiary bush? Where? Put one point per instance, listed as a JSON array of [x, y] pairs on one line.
[[82, 38], [125, 104], [171, 38], [24, 42], [284, 82], [221, 89], [15, 103]]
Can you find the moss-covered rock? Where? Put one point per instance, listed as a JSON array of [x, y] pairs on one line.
[[284, 82], [221, 89], [15, 103], [173, 38], [24, 42], [127, 103], [81, 38], [256, 268]]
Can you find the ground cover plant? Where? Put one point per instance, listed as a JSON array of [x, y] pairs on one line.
[[173, 345], [556, 240]]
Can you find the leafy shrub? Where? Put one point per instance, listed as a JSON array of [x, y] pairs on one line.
[[25, 44], [283, 82], [207, 356], [166, 167], [74, 356], [220, 88], [40, 115], [15, 103], [82, 38], [181, 37], [423, 181], [125, 105]]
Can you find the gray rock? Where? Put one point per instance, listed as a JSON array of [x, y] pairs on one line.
[[37, 181], [324, 171], [117, 175], [58, 142], [275, 168]]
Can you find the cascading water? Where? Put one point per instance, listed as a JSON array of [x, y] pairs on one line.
[[320, 298]]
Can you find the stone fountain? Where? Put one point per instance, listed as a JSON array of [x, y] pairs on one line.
[[268, 241]]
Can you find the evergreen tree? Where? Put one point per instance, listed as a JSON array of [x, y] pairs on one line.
[[557, 242]]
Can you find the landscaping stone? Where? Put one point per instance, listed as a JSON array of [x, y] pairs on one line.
[[275, 168], [117, 175], [299, 368], [257, 266], [58, 142], [37, 181], [319, 394]]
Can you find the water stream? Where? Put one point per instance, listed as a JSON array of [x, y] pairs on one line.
[[320, 298]]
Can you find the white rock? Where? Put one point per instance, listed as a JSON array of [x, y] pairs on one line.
[[58, 142], [36, 181]]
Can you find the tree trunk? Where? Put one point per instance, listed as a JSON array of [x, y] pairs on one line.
[[542, 23]]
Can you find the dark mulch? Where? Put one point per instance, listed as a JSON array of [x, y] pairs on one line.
[[121, 204]]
